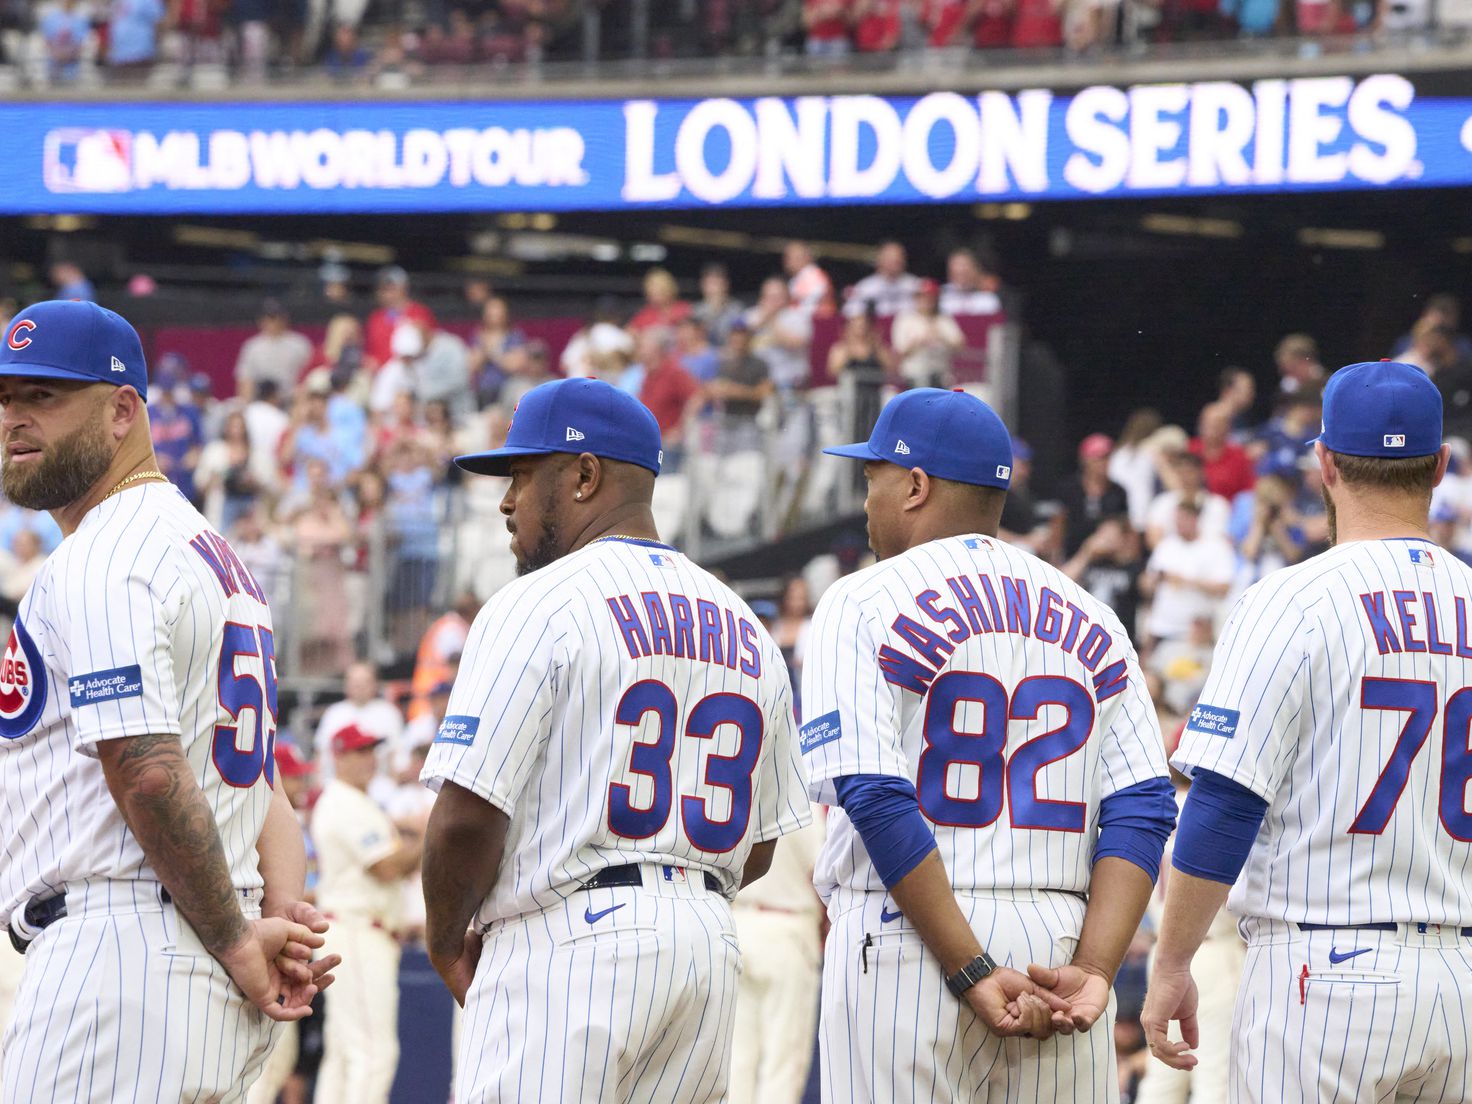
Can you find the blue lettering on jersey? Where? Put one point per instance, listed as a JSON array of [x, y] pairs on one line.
[[660, 624], [1214, 721], [22, 684], [457, 729], [819, 731], [106, 686]]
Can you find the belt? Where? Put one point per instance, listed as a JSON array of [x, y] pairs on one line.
[[1387, 927], [611, 877], [39, 913]]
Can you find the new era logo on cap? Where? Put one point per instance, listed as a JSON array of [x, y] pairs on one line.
[[573, 435], [118, 366], [1395, 440], [901, 449]]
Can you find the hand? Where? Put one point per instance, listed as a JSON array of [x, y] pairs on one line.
[[1009, 1003], [1085, 990], [252, 964], [459, 972], [1172, 996], [316, 972]]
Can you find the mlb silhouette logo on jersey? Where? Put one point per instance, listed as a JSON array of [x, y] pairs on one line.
[[1216, 722], [1395, 440], [1422, 557], [22, 684], [573, 434]]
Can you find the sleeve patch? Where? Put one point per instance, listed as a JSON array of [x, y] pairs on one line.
[[106, 686], [457, 729], [819, 731], [1212, 721]]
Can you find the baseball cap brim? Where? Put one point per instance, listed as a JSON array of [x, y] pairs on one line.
[[45, 371], [860, 451], [498, 461]]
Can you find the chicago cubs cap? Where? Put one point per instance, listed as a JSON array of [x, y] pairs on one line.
[[1381, 408], [74, 340], [946, 434], [575, 416], [352, 738]]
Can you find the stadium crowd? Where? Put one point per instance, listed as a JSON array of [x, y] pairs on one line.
[[329, 469], [391, 42]]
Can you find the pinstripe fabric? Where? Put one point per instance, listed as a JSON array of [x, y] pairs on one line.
[[891, 1032]]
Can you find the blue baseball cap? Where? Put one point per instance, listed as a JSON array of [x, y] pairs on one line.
[[74, 340], [1381, 408], [576, 416], [946, 434]]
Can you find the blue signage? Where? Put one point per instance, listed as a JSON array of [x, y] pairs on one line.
[[1158, 139]]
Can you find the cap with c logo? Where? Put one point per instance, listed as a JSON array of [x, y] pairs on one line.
[[1381, 408], [73, 340], [576, 416], [946, 434]]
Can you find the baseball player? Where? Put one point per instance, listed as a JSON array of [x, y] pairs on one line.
[[982, 725], [362, 858], [1330, 763], [618, 758], [149, 869]]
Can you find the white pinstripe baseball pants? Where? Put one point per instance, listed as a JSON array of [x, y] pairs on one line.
[[1386, 1024], [121, 1002], [633, 1006], [891, 1033]]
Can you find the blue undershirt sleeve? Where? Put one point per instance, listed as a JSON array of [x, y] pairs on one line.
[[886, 814], [1135, 822], [1218, 827]]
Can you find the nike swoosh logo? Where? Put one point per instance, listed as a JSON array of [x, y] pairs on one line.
[[593, 917], [1335, 957], [885, 916]]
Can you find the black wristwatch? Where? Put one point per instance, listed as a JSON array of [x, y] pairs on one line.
[[968, 975]]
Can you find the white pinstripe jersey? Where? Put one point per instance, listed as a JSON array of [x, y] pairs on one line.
[[621, 705], [1340, 694], [128, 630], [1008, 694]]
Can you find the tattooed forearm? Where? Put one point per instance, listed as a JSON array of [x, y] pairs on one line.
[[155, 789]]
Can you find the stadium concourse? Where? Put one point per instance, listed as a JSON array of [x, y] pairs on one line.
[[327, 464]]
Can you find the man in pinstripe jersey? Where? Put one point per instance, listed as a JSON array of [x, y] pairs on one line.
[[982, 726], [1330, 766], [150, 873], [617, 758]]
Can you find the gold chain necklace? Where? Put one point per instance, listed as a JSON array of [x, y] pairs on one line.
[[132, 479]]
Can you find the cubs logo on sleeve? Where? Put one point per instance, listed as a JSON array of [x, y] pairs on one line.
[[22, 684]]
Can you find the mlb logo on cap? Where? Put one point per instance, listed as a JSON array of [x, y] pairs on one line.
[[70, 339], [1381, 408], [1395, 440]]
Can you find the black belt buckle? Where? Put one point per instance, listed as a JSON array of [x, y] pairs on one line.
[[40, 913]]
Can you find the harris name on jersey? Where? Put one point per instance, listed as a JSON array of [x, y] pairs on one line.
[[980, 603], [672, 625]]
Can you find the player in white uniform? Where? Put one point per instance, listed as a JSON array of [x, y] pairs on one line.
[[983, 725], [142, 841], [1330, 767], [619, 756]]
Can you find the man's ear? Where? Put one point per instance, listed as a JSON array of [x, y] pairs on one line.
[[919, 490], [124, 407]]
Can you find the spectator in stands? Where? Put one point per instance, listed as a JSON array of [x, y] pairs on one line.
[[1022, 524], [1226, 467], [716, 311], [1109, 565], [364, 705], [861, 362], [319, 532], [1297, 357], [266, 421], [969, 289], [827, 24], [589, 351], [252, 19], [794, 624], [663, 308], [440, 649], [1445, 310], [455, 44], [310, 437], [20, 566], [1288, 434], [925, 340], [276, 352], [66, 30], [409, 470], [336, 285], [1266, 529], [782, 335], [808, 286], [1132, 463], [990, 22], [70, 282], [1182, 665], [1237, 394], [439, 438], [197, 31], [1188, 576], [1212, 511], [669, 392], [341, 353], [400, 423], [694, 351], [394, 306], [877, 25], [889, 290], [944, 22], [264, 558], [230, 480], [132, 33], [439, 369], [209, 410], [1090, 496], [527, 370], [177, 436], [742, 384], [15, 520], [494, 341], [346, 58]]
